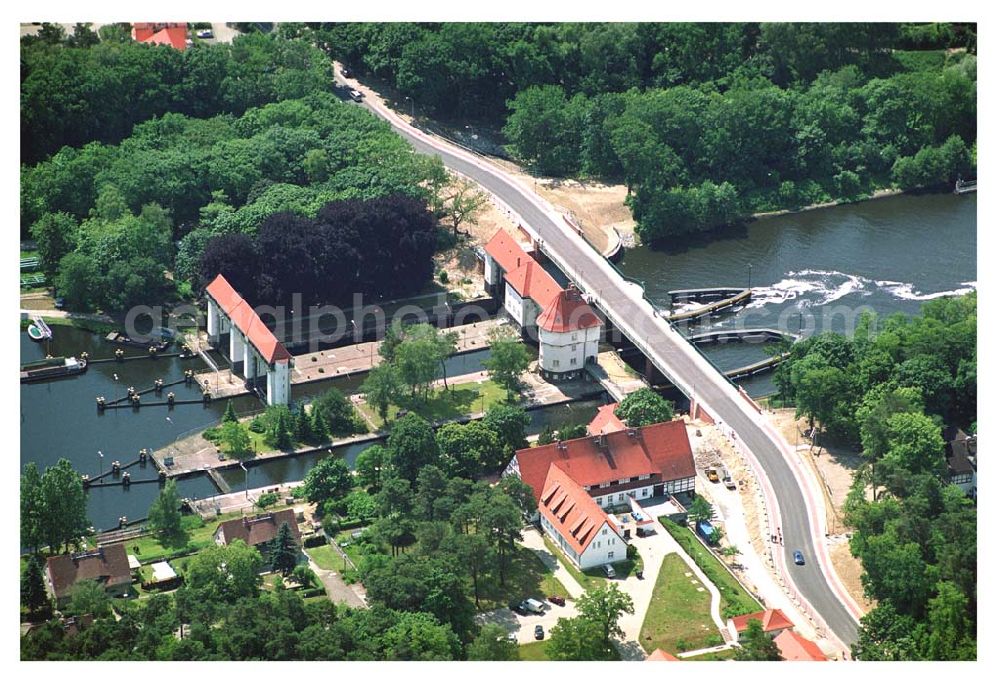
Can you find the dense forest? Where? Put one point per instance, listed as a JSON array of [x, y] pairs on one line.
[[891, 389], [705, 123]]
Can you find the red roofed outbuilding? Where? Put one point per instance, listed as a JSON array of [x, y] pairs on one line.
[[794, 646], [660, 654], [173, 34], [605, 420], [771, 621], [640, 463]]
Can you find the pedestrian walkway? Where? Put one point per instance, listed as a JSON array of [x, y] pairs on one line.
[[533, 540], [337, 590]]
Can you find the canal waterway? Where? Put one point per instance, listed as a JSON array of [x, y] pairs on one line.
[[888, 256]]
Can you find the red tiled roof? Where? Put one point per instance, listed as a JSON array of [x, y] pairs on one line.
[[567, 311], [531, 280], [259, 530], [660, 654], [173, 37], [571, 510], [661, 449], [770, 620], [605, 420], [506, 251], [107, 565], [794, 646], [246, 320]]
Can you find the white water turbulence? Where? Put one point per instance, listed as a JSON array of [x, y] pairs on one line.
[[817, 288]]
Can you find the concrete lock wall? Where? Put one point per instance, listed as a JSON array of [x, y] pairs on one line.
[[213, 320], [237, 347]]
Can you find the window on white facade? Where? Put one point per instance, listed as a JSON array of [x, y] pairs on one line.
[[598, 501], [645, 493], [604, 531], [621, 497], [572, 348], [555, 363], [611, 554], [573, 337], [572, 361]]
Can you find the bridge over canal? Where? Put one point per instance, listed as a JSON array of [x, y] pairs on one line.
[[792, 499]]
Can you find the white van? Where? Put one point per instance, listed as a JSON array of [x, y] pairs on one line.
[[534, 606]]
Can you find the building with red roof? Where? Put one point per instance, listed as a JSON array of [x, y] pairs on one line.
[[660, 654], [794, 646], [586, 534], [172, 34], [568, 329], [637, 463], [605, 421], [771, 621], [253, 348]]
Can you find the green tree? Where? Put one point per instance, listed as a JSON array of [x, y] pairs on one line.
[[756, 644], [328, 480], [318, 427], [509, 422], [520, 493], [303, 426], [417, 359], [469, 449], [473, 553], [418, 636], [165, 512], [236, 440], [337, 411], [886, 635], [360, 505], [370, 467], [544, 129], [462, 202], [604, 607], [89, 597], [508, 360], [577, 639], [33, 523], [56, 236], [951, 636], [279, 427], [700, 509], [64, 503], [230, 414], [492, 644], [284, 552], [411, 446], [382, 388], [33, 594], [78, 279], [225, 573], [644, 407]]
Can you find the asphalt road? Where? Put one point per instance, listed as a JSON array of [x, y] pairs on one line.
[[623, 304]]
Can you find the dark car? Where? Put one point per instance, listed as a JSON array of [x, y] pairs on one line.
[[517, 607], [799, 558], [558, 600], [539, 632]]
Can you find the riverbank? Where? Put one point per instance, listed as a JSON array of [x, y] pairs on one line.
[[877, 195]]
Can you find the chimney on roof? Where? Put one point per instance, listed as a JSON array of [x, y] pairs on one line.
[[519, 262], [632, 433], [572, 293]]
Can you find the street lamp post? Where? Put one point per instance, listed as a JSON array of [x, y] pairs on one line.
[[749, 271], [246, 480]]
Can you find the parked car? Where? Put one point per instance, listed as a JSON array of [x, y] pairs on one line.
[[539, 632], [609, 572], [512, 637], [799, 558], [558, 600], [346, 72], [355, 95], [206, 33], [517, 607], [533, 606]]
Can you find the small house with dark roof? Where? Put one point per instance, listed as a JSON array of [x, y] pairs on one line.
[[258, 531], [960, 456], [583, 530], [106, 565]]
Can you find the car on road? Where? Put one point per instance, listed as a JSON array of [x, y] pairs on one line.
[[346, 72], [512, 637], [517, 607], [539, 632], [799, 558], [557, 600], [609, 572], [355, 95], [206, 33]]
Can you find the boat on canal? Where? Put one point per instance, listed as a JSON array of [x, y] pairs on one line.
[[160, 340], [56, 367]]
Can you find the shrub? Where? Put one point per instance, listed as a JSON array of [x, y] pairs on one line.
[[443, 276], [267, 499]]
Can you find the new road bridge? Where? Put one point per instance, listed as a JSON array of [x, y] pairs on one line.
[[793, 501]]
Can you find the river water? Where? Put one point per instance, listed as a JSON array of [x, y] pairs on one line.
[[828, 265], [889, 255]]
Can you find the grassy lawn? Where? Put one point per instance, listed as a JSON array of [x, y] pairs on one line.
[[532, 651], [528, 578], [326, 558], [727, 654], [349, 546], [679, 617], [447, 404], [593, 578], [735, 599]]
